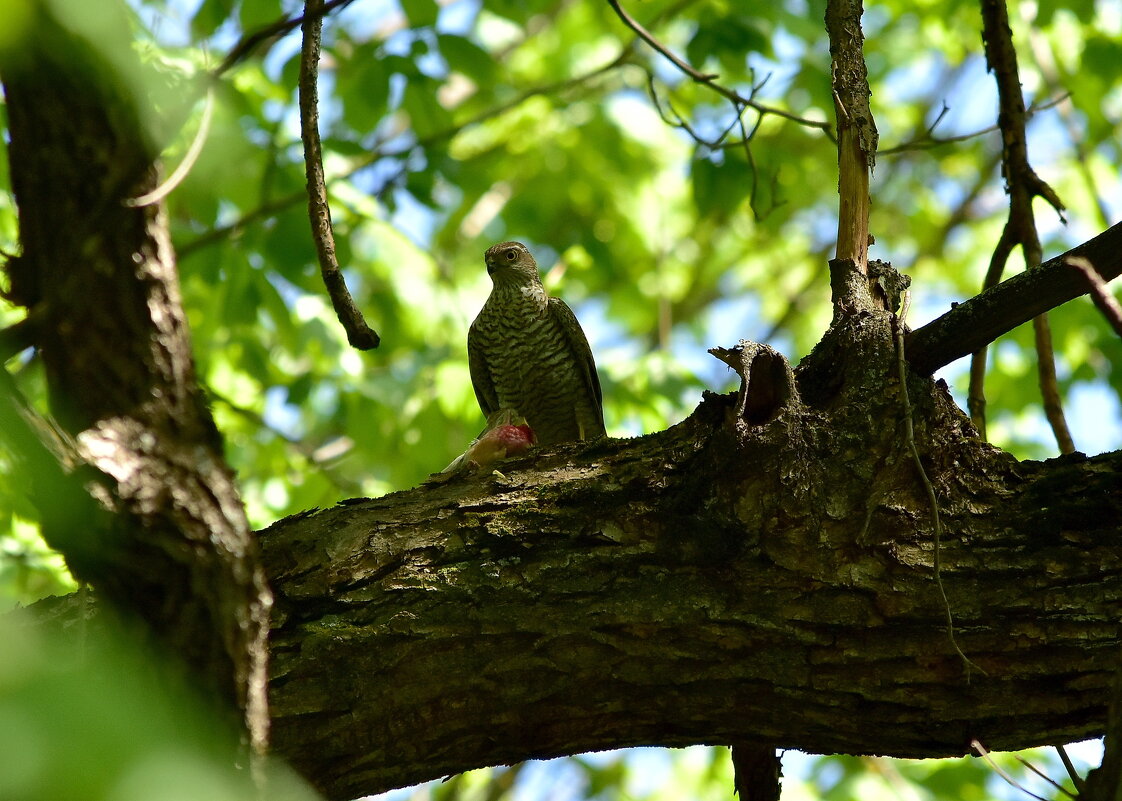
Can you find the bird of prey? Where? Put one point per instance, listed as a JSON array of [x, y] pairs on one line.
[[528, 355]]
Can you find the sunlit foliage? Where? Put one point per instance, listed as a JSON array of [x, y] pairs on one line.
[[670, 222]]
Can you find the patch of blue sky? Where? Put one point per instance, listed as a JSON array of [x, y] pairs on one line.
[[170, 25], [458, 17], [413, 219], [364, 20]]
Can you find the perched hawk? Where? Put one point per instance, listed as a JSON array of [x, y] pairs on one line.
[[528, 354]]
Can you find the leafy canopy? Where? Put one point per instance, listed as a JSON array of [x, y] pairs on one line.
[[669, 221]]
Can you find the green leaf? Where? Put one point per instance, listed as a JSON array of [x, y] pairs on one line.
[[425, 112], [258, 13], [727, 40], [364, 90], [421, 13], [468, 58], [210, 15]]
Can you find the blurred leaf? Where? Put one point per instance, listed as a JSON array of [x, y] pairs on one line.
[[426, 114], [364, 89], [421, 13], [467, 57], [258, 13], [728, 40], [209, 16]]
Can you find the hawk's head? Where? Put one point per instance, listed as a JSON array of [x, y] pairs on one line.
[[510, 260]]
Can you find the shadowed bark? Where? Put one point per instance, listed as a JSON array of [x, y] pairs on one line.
[[98, 276], [717, 582], [759, 574]]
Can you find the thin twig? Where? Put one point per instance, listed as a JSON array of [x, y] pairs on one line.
[[1044, 776], [982, 752], [752, 171], [359, 334], [274, 30], [928, 141], [305, 450], [279, 204], [976, 396], [649, 38], [937, 525], [709, 80], [189, 159], [1073, 774], [1049, 383], [1100, 292]]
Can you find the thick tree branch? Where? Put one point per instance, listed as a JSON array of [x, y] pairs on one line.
[[683, 589], [723, 581], [760, 573], [971, 325]]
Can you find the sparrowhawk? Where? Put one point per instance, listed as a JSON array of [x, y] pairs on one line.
[[527, 353]]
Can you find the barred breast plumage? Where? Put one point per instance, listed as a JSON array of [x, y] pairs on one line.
[[528, 355]]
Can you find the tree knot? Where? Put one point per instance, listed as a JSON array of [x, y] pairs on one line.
[[767, 385]]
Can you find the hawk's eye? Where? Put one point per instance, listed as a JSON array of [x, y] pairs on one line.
[[510, 254]]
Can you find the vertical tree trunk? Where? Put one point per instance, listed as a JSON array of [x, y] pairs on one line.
[[100, 276]]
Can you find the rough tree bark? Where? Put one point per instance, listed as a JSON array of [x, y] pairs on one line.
[[727, 580], [98, 277], [761, 572]]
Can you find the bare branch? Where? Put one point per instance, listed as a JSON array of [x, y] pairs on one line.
[[1044, 775], [359, 334], [1022, 184], [972, 325], [1072, 773], [981, 749], [1049, 383], [274, 30], [976, 397], [1100, 293], [710, 79], [929, 141]]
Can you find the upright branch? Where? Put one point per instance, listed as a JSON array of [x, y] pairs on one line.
[[1022, 184], [857, 132], [172, 544], [359, 334]]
